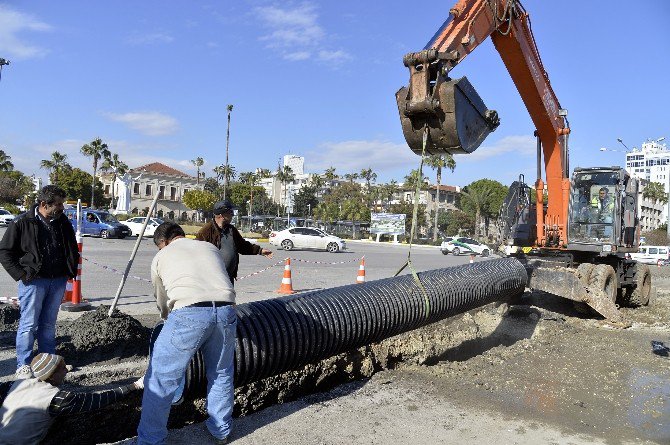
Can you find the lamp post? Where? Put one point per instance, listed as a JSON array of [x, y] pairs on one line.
[[309, 210]]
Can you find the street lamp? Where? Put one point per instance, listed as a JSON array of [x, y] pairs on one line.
[[309, 210], [621, 142]]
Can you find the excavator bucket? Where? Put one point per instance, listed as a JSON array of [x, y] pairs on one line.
[[455, 115]]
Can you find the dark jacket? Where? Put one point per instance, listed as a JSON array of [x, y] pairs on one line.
[[20, 252], [211, 233]]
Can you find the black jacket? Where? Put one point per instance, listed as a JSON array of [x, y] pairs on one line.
[[20, 252]]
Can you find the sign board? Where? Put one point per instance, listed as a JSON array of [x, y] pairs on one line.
[[387, 223]]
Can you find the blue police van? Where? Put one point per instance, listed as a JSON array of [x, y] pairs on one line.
[[98, 223]]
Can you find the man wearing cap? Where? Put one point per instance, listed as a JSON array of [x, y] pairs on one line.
[[30, 405], [39, 250], [228, 239], [194, 293]]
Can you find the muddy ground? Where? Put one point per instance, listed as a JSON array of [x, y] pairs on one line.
[[534, 372]]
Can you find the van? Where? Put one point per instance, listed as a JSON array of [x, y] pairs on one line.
[[651, 254], [98, 223]]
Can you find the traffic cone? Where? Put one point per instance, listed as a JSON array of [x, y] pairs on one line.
[[360, 279], [67, 296], [76, 304], [472, 258], [286, 285]]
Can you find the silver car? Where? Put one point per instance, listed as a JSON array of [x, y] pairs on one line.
[[306, 238], [6, 217]]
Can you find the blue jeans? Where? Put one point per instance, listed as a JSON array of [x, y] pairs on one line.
[[39, 300], [211, 329]]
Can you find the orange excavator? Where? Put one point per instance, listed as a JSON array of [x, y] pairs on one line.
[[575, 237]]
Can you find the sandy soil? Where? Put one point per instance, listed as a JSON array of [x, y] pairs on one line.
[[533, 372]]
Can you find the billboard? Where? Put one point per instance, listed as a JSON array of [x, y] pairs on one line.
[[387, 223]]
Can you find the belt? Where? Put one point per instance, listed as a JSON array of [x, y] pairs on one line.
[[210, 304]]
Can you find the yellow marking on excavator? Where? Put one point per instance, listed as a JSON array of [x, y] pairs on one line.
[[526, 249]]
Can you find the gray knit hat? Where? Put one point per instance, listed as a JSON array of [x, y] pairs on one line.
[[45, 364]]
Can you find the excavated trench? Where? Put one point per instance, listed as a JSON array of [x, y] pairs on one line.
[[424, 332]]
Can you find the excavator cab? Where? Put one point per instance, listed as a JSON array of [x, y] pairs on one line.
[[603, 210], [451, 111]]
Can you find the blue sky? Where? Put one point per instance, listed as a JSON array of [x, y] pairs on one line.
[[153, 79]]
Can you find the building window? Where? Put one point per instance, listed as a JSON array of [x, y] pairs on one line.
[[148, 190], [173, 193], [161, 192], [107, 189], [450, 198], [432, 197], [136, 188]]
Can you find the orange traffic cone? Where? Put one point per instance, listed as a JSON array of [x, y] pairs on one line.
[[360, 279], [472, 258], [286, 285], [76, 302], [67, 296]]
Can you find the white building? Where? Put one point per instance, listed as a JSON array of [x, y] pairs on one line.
[[297, 164], [650, 163], [283, 194]]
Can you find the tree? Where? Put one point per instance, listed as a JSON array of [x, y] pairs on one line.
[[5, 162], [330, 174], [97, 150], [369, 176], [388, 191], [200, 200], [414, 178], [250, 179], [14, 186], [305, 201], [438, 162], [227, 171], [198, 162], [483, 198], [408, 209], [452, 222], [344, 202], [285, 176], [76, 182], [351, 177], [116, 166], [219, 172], [656, 192], [54, 165]]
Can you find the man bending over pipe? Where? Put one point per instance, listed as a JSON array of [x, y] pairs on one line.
[[195, 294]]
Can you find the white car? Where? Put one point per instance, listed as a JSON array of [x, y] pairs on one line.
[[135, 225], [306, 238], [6, 217], [457, 246]]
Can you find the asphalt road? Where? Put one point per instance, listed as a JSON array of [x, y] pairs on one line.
[[106, 259]]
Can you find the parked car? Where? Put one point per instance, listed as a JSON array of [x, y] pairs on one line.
[[306, 238], [443, 246], [98, 223], [457, 246], [651, 254], [135, 225], [6, 217]]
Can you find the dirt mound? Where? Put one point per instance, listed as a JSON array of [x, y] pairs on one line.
[[94, 337], [9, 317]]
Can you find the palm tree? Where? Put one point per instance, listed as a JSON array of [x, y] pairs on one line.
[[656, 192], [5, 162], [97, 150], [249, 178], [54, 165], [369, 177], [389, 190], [438, 162], [415, 179], [285, 176], [116, 166], [225, 182], [198, 162], [330, 174], [351, 177]]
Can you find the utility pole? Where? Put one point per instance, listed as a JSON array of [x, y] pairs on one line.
[[225, 178]]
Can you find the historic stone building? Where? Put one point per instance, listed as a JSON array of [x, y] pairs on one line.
[[171, 184]]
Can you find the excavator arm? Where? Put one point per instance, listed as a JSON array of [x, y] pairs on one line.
[[454, 118]]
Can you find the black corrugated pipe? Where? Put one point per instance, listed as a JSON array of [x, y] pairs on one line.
[[282, 334], [286, 333]]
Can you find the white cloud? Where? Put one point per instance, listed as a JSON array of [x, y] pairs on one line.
[[348, 156], [151, 123], [150, 39], [509, 145], [295, 32], [12, 24]]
